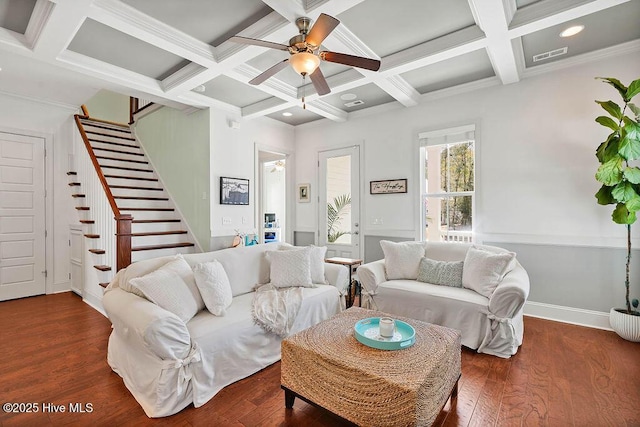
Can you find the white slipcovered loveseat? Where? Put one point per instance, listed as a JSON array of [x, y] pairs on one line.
[[485, 303], [167, 363]]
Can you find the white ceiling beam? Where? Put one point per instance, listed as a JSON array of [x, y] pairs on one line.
[[14, 42], [446, 47], [548, 13], [266, 107], [491, 17], [54, 28], [134, 81], [131, 21]]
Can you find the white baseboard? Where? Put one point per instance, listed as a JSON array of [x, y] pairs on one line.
[[95, 302], [574, 316], [61, 287]]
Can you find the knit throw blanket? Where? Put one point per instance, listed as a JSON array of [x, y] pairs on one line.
[[275, 309]]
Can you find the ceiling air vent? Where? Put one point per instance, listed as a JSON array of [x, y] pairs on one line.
[[354, 103], [550, 54]]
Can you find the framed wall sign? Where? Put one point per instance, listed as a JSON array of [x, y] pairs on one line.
[[234, 191], [389, 186], [303, 193]]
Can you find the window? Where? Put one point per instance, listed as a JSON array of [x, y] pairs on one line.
[[447, 159]]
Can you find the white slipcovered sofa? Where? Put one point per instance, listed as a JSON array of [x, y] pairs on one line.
[[167, 364], [490, 322]]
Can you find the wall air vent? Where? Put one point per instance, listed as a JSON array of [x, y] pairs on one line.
[[354, 103], [550, 54]]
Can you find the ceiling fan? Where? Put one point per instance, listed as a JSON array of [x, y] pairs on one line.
[[305, 57]]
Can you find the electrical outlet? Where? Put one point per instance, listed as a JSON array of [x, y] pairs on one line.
[[226, 220]]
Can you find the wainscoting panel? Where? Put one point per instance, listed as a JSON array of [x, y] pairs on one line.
[[304, 238], [587, 278]]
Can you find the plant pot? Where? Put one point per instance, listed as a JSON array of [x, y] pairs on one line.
[[625, 325]]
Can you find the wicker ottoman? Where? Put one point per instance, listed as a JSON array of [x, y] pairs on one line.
[[326, 366]]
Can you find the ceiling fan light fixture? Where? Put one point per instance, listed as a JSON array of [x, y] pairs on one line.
[[304, 62]]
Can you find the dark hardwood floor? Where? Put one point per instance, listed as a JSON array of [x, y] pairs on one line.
[[53, 351]]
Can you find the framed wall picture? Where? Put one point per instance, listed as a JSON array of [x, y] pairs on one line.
[[389, 186], [304, 195], [234, 191]]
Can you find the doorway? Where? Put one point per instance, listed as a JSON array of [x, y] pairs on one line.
[[22, 216], [339, 201], [272, 213]]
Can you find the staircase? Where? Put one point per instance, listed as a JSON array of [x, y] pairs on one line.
[[146, 224]]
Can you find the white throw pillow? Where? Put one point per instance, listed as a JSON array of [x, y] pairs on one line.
[[166, 288], [316, 257], [483, 270], [290, 268], [214, 286], [402, 260], [182, 268]]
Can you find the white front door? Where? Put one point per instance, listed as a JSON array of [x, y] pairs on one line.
[[339, 202], [22, 216]]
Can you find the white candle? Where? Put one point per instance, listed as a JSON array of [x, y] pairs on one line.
[[387, 327]]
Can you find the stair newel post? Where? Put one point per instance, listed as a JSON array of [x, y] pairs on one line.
[[123, 241]]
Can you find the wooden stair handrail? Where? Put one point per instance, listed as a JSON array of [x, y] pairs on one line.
[[96, 166], [134, 108]]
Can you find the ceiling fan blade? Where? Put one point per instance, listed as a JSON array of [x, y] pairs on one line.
[[321, 29], [354, 61], [269, 72], [256, 42], [319, 82]]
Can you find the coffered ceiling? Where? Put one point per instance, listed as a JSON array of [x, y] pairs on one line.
[[178, 52]]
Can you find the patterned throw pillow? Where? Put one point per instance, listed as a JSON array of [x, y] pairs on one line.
[[290, 268], [214, 286], [441, 272]]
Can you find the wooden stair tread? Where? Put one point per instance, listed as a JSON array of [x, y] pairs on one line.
[[110, 136], [102, 267], [132, 187], [119, 144], [155, 233], [97, 251], [82, 208], [131, 177], [74, 184], [104, 285], [148, 209], [141, 198], [152, 221], [72, 173], [78, 195], [125, 169], [92, 236], [168, 246], [109, 150], [87, 221], [142, 162], [104, 126]]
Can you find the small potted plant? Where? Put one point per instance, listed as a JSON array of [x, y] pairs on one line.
[[621, 185]]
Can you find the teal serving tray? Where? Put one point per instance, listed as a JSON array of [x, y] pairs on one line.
[[367, 331]]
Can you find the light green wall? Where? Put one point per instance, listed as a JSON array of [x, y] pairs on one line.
[[178, 146], [110, 106]]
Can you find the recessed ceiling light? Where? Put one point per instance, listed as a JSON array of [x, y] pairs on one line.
[[199, 88], [287, 114], [572, 31], [348, 96]]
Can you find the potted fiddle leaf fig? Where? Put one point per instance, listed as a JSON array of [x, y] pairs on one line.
[[620, 178]]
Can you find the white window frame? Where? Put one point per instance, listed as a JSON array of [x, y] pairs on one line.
[[449, 136]]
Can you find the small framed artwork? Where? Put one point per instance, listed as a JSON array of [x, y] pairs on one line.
[[303, 193], [389, 186], [234, 191]]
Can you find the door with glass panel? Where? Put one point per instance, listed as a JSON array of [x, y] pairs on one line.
[[339, 202]]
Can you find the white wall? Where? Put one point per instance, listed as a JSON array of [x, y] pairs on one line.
[[535, 165], [233, 154], [535, 157]]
